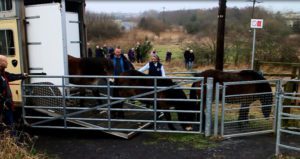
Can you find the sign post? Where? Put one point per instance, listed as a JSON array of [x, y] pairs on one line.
[[255, 24]]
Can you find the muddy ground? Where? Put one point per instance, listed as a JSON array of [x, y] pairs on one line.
[[96, 145], [82, 144]]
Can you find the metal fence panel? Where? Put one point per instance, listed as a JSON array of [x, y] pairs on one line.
[[288, 123], [248, 108], [58, 106], [291, 128]]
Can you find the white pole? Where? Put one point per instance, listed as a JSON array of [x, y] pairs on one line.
[[253, 48]]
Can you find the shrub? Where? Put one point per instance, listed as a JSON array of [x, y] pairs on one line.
[[101, 26], [152, 24]]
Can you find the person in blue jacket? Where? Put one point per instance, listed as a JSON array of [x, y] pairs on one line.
[[120, 62]]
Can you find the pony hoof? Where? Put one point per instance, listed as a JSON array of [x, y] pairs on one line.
[[189, 128]]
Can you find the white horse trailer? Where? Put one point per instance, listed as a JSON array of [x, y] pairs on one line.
[[36, 36], [46, 48]]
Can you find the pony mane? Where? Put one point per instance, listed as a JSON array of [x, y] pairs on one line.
[[208, 73], [90, 66], [254, 74], [95, 66]]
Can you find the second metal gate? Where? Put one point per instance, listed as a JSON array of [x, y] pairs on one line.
[[246, 112]]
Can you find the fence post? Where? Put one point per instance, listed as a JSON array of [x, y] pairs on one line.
[[109, 93], [155, 105], [24, 101], [278, 127], [223, 109], [277, 100], [209, 94], [294, 72], [64, 101], [217, 94]]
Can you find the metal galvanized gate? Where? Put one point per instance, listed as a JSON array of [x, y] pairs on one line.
[[56, 106], [288, 123], [242, 114]]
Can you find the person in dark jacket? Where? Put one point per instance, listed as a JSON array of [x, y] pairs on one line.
[[168, 56], [155, 68], [6, 101], [105, 50], [90, 52], [131, 55], [138, 53], [120, 62], [186, 58], [191, 59], [99, 51], [111, 52]]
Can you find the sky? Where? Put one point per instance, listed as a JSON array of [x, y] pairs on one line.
[[135, 6]]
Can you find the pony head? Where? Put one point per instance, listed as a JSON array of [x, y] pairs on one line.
[[108, 67]]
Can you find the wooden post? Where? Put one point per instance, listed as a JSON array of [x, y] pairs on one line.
[[294, 72], [220, 36], [256, 65]]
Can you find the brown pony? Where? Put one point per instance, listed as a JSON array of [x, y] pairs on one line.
[[89, 67], [244, 75], [168, 94]]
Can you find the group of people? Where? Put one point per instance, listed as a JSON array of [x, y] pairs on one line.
[[122, 64], [189, 58], [135, 54], [103, 51], [154, 67]]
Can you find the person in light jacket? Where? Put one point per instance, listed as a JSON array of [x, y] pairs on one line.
[[154, 67]]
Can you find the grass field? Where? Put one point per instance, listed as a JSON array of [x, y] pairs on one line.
[[177, 52]]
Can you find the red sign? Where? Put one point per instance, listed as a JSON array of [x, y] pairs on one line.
[[257, 23]]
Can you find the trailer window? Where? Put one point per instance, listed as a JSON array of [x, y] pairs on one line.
[[5, 5], [7, 42]]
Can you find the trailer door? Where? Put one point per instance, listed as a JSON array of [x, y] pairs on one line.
[[73, 38], [45, 40]]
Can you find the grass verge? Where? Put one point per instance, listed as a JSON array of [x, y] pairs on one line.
[[194, 140], [11, 148]]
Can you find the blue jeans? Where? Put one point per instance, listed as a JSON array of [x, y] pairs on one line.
[[190, 65]]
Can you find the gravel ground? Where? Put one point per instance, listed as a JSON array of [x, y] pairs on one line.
[[96, 145]]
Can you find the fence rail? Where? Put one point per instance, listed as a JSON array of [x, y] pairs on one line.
[[48, 105], [57, 106]]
